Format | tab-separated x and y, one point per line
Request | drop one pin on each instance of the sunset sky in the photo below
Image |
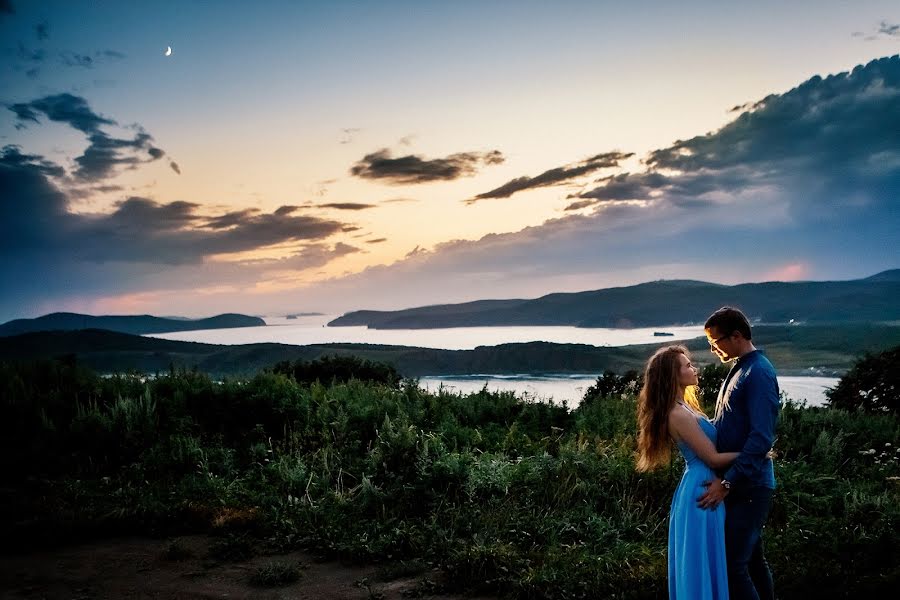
331	156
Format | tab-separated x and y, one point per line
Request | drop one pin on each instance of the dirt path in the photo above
139	568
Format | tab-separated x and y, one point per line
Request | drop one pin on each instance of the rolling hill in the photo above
661	303
135	324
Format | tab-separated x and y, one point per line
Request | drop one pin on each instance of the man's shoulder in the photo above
759	362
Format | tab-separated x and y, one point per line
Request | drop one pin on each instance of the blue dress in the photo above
697	568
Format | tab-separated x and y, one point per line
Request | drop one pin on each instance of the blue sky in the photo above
334	156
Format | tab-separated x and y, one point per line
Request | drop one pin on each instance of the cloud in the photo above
412	169
139	244
556	176
28	55
11	156
580	204
349	134
104	153
174	166
63	108
6	7
883	30
799	185
347	205
53	256
889	29
821	145
42	31
376	241
89	61
286	210
232	219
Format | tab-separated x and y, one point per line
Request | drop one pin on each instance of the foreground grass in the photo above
526	500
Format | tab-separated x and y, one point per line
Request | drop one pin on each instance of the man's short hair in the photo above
727	320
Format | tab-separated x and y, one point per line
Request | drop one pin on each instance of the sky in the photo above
288	157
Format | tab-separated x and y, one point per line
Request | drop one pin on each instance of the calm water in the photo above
572	387
311	330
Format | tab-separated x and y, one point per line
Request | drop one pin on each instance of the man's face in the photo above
721	344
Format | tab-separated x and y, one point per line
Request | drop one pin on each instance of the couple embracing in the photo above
721	504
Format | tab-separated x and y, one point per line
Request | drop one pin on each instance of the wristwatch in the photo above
726	484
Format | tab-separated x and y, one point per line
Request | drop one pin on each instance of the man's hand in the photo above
713	496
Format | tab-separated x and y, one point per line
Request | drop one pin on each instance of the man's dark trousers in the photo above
749	577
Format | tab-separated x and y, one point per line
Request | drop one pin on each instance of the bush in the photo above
871	385
275	574
339	369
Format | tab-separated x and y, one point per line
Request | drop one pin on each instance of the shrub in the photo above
339	369
275	574
871	385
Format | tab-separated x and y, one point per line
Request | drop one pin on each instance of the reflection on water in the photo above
313	330
571	388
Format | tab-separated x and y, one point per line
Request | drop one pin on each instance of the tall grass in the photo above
523	499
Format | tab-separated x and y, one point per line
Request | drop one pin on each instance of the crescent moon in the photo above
168	50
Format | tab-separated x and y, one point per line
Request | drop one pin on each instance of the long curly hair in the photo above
658	396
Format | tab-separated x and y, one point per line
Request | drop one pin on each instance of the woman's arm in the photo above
683	426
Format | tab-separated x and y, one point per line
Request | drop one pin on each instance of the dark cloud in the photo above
811	176
347	205
38	228
413	169
63	108
376	241
580	204
89	61
889	29
73	59
42	30
174	166
822	144
555	176
232	219
398	200
11	156
104	153
286	210
627	186
883	30
29	55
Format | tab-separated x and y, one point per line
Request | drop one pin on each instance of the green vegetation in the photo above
338	369
136	324
827	349
873	384
275	573
661	303
526	500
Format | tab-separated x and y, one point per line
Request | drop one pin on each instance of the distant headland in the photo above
133	324
659	304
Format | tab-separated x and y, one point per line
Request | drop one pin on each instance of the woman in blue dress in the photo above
668	412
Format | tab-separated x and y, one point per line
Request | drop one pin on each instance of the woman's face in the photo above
687	374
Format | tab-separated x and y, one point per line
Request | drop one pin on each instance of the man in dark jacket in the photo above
746	414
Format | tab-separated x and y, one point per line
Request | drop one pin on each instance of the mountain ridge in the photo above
133	324
659	303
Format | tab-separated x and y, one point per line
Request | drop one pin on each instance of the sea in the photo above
313	329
